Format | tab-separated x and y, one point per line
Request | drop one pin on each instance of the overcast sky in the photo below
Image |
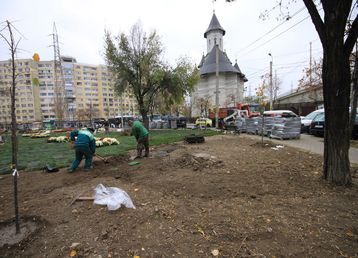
181	25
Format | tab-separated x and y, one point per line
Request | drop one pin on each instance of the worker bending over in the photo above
85	145
141	134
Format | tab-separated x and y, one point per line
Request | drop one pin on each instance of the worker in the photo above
142	136
85	145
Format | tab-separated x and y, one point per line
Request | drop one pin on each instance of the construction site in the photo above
230	196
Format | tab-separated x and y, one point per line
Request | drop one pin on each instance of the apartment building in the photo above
86	92
27	96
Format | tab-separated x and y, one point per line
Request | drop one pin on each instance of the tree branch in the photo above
352	38
316	19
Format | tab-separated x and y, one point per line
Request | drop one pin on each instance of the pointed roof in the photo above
214	25
201	61
208	65
241	74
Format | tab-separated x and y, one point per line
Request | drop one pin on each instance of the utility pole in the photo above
310	64
217	88
271	86
60	106
275	88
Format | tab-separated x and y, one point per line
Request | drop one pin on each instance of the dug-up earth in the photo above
227	197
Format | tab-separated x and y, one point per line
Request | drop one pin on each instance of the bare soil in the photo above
227	197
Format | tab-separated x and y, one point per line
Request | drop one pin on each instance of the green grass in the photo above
34	154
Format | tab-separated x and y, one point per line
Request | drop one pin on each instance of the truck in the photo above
252	110
236	121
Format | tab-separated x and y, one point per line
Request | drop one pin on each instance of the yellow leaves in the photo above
349	233
73	253
36	57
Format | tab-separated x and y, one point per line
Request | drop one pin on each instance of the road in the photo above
310	143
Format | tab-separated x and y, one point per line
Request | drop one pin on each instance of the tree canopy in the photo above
135	61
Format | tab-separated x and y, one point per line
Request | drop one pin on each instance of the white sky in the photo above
181	25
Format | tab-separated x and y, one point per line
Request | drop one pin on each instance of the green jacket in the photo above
138	130
85	139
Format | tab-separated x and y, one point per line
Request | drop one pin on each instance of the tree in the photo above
13	46
263	90
337	43
336	77
312	76
183	79
204	104
135	62
311	80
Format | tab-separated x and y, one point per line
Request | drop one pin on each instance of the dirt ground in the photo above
227	197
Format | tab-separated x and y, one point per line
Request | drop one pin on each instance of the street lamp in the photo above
271	87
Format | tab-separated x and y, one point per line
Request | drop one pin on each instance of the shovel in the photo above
102	158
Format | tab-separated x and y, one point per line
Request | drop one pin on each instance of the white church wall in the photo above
228	87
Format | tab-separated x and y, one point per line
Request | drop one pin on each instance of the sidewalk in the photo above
308	143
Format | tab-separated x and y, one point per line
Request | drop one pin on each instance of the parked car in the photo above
204	122
156	118
317	126
279	113
181	122
307	120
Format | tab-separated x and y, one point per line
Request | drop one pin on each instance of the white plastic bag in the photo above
113	197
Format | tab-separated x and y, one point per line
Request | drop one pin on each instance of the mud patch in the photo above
198	161
28	227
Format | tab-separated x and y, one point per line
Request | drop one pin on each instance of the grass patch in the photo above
34	154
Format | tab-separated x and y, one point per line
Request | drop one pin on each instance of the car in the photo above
279	113
156	118
307	120
181	122
202	121
317	126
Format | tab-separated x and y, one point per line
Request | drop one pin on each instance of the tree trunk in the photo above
14	126
336	91
144	112
354	92
336	85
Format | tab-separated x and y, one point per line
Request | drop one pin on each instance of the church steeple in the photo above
214	34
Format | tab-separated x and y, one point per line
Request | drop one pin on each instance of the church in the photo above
231	79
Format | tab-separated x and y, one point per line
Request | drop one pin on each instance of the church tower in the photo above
231	79
214	34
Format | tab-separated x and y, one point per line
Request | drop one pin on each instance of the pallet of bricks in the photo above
254	125
286	128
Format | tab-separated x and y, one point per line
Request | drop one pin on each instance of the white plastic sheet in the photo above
113	197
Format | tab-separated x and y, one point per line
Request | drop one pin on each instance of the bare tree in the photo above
13	47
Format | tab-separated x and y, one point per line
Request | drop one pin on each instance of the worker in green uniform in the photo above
85	145
142	136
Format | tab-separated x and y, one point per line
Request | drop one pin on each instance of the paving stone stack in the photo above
241	124
286	128
253	125
269	123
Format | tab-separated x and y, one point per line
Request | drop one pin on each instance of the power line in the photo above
276	35
288	54
277	26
